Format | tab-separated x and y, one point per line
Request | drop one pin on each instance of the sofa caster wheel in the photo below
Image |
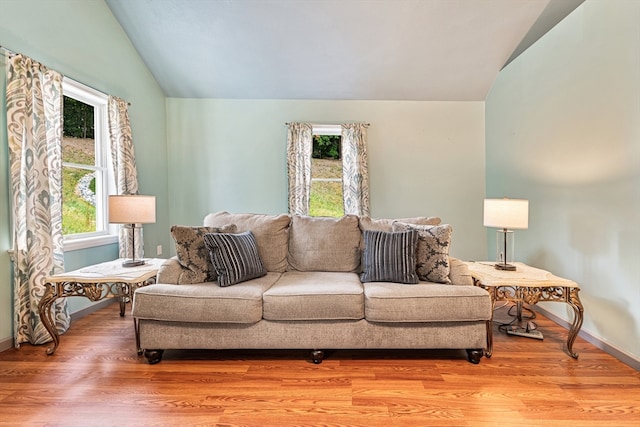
317	356
475	355
153	356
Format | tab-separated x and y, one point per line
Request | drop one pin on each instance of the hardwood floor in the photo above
96	379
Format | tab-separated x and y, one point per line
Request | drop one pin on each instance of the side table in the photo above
528	285
95	282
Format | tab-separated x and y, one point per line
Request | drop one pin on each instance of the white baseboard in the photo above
604	346
6	344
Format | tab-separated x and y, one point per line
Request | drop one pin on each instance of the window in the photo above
85	168
326	172
355	175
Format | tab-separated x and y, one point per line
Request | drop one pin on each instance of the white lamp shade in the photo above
132	209
506	213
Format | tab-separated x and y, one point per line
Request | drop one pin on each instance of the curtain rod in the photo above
12	53
9	51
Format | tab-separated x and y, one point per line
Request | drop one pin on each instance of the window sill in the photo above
89	242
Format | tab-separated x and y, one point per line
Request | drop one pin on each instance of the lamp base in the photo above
133	262
522	332
506	267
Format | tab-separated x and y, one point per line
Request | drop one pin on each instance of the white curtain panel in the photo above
355	172
34	130
124	169
299	146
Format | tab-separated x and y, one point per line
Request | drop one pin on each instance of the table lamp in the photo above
506	215
132	210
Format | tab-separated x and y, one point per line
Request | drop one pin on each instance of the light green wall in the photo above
82	40
425	158
563	130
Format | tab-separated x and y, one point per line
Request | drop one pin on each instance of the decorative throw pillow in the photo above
234	257
432	253
193	255
389	256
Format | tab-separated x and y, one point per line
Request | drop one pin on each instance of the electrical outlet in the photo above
159	250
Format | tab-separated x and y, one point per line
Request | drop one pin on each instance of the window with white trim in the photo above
86	168
326	172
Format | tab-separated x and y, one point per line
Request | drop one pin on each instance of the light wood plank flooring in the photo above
96	379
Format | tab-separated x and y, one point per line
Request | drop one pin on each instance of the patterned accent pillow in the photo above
389	256
193	255
432	252
234	257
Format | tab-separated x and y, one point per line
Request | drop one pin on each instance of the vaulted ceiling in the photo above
434	50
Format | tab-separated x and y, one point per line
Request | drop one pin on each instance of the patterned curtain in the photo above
123	159
34	130
299	146
355	172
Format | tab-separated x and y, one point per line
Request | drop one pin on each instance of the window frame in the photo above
105	233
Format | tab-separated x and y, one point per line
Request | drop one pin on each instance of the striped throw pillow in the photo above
234	257
389	256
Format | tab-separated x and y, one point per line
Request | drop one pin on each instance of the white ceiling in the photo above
434	50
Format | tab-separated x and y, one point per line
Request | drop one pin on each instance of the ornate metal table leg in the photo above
125	292
44	310
123	305
578	311
489	351
136	327
492	297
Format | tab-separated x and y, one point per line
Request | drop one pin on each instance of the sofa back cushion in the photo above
324	244
271	233
367	223
386	224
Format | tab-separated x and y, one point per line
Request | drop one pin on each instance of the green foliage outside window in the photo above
78	215
78	119
326	175
78	146
326	147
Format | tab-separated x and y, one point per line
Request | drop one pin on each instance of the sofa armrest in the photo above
459	273
169	271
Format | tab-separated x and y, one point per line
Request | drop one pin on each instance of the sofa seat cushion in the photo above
314	296
425	302
203	302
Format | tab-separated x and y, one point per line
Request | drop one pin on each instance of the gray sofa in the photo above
311	294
